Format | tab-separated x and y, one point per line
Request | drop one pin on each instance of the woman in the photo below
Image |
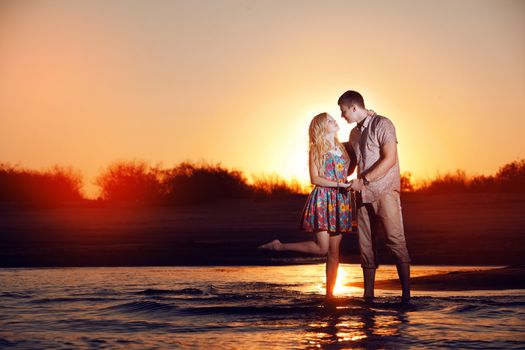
327	212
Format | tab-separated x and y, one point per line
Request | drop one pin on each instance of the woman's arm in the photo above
318	180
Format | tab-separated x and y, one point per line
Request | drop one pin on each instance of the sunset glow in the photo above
237	82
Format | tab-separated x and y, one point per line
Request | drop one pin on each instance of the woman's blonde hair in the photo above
318	145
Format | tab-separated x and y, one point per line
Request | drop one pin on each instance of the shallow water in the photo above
241	307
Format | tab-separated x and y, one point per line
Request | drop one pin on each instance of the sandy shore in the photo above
512	277
460	229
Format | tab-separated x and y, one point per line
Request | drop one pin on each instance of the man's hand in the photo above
357	185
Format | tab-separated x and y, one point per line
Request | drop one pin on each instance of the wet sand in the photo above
461	229
510	277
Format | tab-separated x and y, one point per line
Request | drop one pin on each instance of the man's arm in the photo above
380	168
353	157
385	162
386	136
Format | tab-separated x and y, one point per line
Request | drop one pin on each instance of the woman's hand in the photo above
345	185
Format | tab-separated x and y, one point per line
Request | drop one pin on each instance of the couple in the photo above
328	212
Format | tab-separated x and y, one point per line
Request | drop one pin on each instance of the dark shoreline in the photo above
486	229
509	277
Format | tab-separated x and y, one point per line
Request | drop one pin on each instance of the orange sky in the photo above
237	82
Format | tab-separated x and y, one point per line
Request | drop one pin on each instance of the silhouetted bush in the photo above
483	184
136	181
186	183
447	183
275	186
39	187
509	178
406	182
133	181
512	176
194	183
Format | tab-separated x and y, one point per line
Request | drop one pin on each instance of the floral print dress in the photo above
327	208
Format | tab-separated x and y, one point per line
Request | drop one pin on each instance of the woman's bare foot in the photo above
273	245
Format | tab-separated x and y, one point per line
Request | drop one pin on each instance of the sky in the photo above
88	83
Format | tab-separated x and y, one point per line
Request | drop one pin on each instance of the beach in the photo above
510	277
131	277
458	229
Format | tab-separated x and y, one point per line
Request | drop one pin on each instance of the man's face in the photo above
349	113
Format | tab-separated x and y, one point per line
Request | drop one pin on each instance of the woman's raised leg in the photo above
317	247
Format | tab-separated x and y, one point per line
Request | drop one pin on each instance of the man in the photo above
374	143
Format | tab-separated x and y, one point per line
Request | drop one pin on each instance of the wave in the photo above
6	343
185	291
243	304
142	307
109	325
16	295
69	300
252	310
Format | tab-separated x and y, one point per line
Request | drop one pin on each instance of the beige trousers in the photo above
385	211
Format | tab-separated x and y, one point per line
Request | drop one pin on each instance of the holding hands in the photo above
352	185
356	185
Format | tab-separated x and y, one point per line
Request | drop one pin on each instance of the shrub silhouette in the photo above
447	183
188	182
276	186
194	183
39	187
512	176
483	184
509	178
406	182
133	181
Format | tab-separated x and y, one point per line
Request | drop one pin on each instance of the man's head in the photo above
352	106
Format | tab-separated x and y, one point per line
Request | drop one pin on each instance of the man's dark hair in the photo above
351	98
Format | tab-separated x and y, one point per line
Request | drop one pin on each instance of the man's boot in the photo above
403	270
369	276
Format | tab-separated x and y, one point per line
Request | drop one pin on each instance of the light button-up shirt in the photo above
375	131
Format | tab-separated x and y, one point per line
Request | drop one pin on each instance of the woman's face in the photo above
331	125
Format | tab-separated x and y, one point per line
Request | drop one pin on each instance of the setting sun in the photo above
172	174
86	84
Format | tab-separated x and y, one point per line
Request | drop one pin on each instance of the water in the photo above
243	307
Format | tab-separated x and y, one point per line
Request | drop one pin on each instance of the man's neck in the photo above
362	116
366	113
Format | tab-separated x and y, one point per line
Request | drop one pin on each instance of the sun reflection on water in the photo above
344	277
314	280
334	331
354	327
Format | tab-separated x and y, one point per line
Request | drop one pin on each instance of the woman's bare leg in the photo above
319	247
332	265
324	245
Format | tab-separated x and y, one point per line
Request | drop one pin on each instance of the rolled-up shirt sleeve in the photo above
386	132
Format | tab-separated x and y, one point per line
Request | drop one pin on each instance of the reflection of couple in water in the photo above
327	213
